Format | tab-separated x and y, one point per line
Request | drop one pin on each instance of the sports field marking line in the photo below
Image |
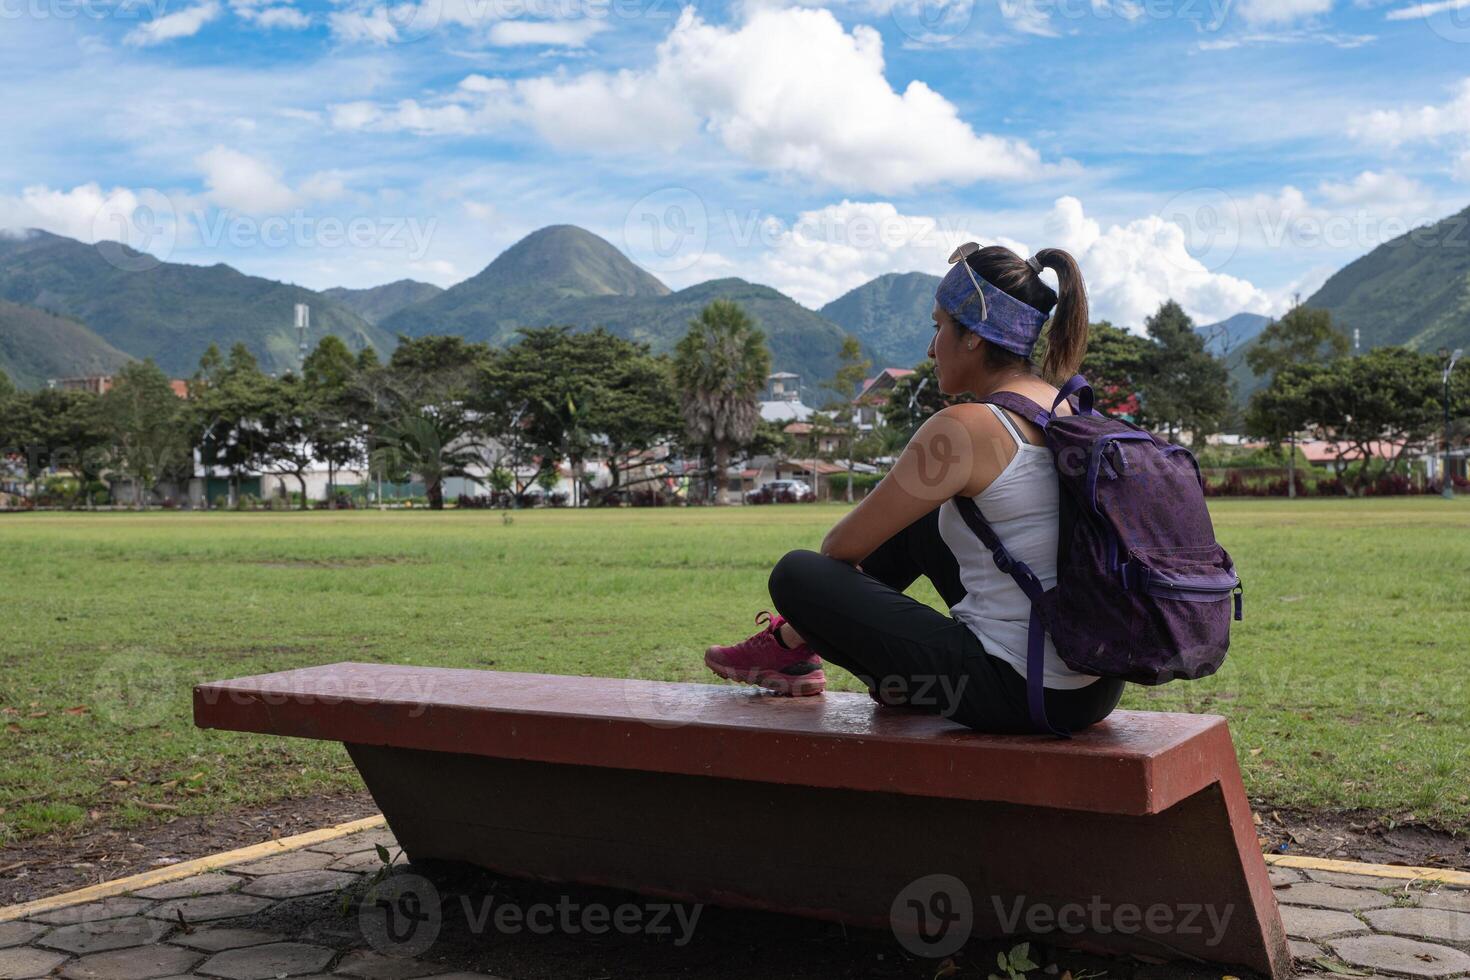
213	862
188	869
1445	876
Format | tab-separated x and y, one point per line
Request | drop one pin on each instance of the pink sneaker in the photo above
762	660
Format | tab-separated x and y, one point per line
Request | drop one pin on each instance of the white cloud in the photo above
329	185
792	91
1029	17
244	183
270	18
1346	42
1381	191
1392	127
1347	218
1132	269
1423	11
828	251
182	23
363	27
788	91
549	33
372	22
1258	12
90	214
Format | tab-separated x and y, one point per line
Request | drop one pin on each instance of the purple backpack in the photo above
1144	592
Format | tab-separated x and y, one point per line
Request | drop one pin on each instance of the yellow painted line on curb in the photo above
1444	876
187	869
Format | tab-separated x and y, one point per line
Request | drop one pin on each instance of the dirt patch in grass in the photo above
1369	837
330	562
56	863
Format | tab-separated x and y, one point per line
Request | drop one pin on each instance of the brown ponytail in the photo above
1066	338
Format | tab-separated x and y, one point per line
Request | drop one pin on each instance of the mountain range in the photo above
892	315
566	275
377	302
72	308
168	311
1413	291
36	345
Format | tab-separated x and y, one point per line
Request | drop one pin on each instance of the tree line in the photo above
441	407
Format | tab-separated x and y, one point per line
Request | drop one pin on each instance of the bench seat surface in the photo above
1133	763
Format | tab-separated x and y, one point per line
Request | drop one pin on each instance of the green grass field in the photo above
1346	686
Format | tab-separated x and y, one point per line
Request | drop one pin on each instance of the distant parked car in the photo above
780	492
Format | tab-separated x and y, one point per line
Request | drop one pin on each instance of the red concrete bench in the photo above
827	807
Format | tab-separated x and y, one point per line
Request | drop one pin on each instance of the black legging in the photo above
907	651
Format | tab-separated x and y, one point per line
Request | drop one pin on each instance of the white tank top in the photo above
1021	505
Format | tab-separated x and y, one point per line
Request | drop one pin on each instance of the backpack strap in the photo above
1036	633
1079	386
1020	404
1028	409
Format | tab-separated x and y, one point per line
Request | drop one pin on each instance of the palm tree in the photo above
720	367
428	447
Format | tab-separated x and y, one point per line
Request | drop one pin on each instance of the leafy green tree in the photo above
720	367
914	398
329	374
1304	336
561	394
145	421
54	429
1185	386
852	371
633	410
423	407
7	389
1376	406
227	397
1117	364
284	427
430	447
770	439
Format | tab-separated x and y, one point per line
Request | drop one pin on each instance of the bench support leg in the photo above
1187	883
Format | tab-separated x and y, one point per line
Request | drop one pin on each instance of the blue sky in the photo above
1226	154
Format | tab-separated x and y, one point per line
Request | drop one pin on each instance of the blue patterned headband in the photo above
985	310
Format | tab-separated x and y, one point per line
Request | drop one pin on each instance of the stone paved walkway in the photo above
1378	927
280	917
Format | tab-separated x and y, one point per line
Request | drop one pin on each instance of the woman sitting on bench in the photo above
847	604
